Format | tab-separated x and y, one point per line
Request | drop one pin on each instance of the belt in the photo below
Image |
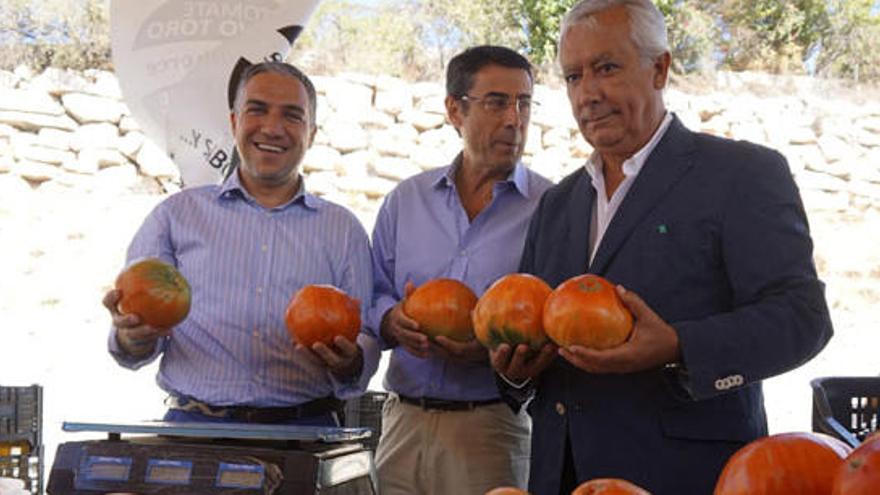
447	405
247	414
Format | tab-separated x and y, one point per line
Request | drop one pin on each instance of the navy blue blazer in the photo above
713	236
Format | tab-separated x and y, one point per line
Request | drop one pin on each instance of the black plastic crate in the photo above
21	415
21	435
366	412
846	407
26	467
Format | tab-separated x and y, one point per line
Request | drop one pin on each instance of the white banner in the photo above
176	62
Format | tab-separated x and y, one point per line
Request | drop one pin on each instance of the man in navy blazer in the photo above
708	241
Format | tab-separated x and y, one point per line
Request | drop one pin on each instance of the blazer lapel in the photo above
578	218
663	168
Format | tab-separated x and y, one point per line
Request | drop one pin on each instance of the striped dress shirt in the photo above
244	262
423	232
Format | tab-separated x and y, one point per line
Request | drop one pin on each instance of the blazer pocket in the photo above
723	418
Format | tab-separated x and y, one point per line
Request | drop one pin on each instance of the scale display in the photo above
103	468
239	475
168	472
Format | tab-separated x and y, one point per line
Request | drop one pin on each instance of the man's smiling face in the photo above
273	129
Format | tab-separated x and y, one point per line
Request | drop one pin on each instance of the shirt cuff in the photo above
347	389
127	361
382	305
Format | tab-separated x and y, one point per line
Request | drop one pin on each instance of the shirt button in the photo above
264	248
560	408
463	252
259	290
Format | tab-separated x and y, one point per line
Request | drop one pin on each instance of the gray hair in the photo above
283	69
647	25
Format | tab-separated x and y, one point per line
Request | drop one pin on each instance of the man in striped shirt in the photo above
445	429
246	246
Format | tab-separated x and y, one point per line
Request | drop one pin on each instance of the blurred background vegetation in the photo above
414	39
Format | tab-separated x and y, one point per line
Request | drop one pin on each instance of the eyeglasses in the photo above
498	104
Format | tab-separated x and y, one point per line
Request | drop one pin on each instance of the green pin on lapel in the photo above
662	228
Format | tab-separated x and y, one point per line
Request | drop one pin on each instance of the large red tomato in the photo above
802	463
442	307
585	310
860	472
608	486
511	311
507	490
318	313
155	291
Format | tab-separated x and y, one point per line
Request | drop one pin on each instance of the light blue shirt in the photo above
423	232
244	262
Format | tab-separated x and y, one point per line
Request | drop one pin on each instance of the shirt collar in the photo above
518	177
632	165
232	188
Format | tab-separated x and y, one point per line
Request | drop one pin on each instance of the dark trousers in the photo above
179	416
569	476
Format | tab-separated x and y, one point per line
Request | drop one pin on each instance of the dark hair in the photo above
462	68
284	69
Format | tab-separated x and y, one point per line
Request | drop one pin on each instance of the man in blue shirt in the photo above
246	246
445	429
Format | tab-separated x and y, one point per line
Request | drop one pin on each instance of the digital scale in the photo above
214	458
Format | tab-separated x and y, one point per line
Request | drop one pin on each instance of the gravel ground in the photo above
61	250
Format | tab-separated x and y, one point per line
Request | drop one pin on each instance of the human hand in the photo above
400	329
652	343
521	364
134	338
470	351
344	358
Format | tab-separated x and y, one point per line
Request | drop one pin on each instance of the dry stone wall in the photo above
63	130
67	129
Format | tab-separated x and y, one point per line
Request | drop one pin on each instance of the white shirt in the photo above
604	208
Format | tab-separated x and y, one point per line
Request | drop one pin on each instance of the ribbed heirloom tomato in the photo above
511	312
155	291
860	472
585	310
507	490
608	486
802	463
318	313
442	306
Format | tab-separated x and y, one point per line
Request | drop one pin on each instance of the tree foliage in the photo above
850	42
60	33
414	39
692	33
541	20
408	38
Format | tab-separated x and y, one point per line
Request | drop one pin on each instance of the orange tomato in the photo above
318	313
511	311
155	291
585	310
608	486
860	472
802	463
442	307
